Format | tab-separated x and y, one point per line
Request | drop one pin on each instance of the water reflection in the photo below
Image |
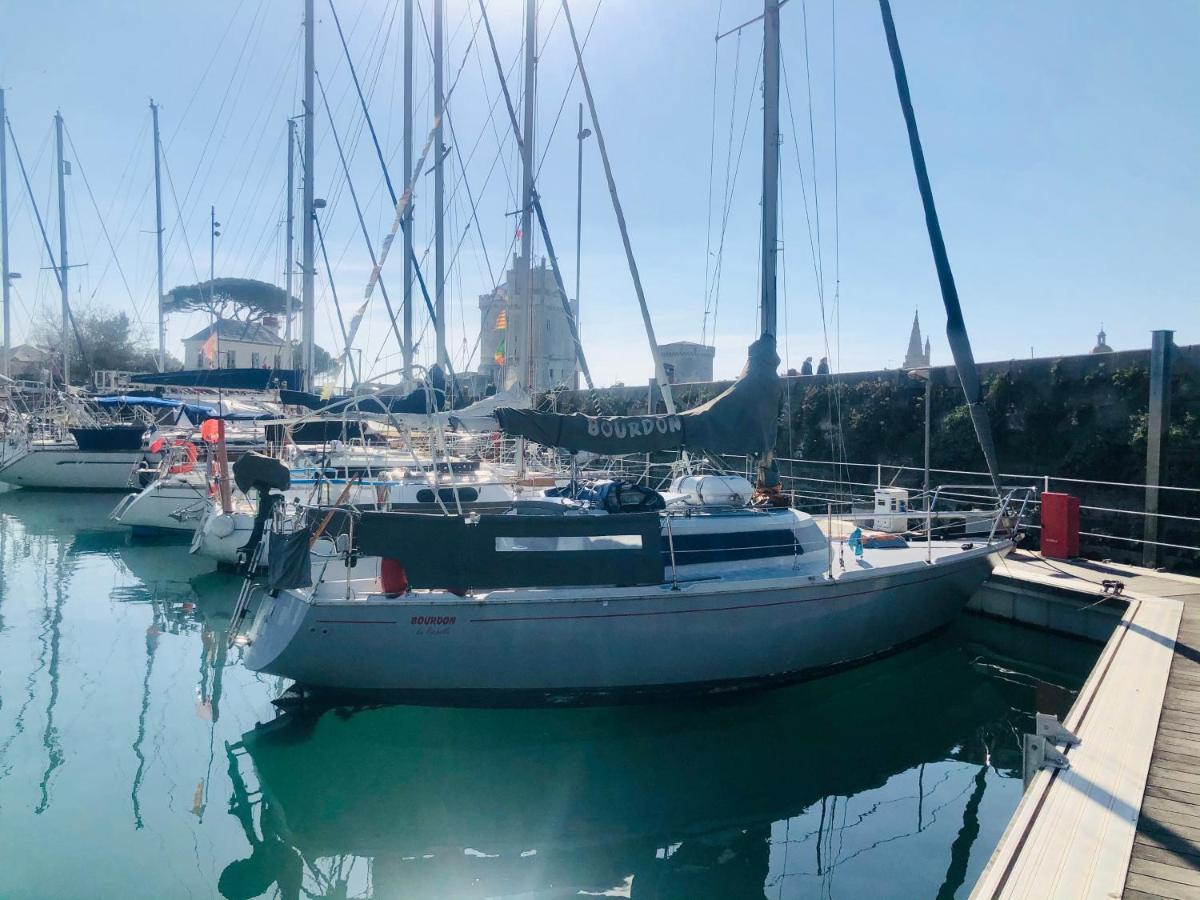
725	800
58	532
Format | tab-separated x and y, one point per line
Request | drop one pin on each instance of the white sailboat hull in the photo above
171	504
538	646
68	468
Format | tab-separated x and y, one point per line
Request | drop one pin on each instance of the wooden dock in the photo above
1166	850
1124	819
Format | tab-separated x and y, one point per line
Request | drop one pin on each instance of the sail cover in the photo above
741	419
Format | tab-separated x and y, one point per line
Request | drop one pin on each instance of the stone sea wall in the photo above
1071	417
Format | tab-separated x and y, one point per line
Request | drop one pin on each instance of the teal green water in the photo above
133	762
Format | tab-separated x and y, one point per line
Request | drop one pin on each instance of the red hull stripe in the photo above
357	622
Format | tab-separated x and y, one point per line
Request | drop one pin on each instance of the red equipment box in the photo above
1060	526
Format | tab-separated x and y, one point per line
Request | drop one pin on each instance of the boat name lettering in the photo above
432	620
622	428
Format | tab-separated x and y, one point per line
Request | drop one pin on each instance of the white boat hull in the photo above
705	636
171	504
68	468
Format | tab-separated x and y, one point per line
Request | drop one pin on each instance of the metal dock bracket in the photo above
1039	750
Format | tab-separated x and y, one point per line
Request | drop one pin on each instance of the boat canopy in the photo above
460	553
741	419
226	379
109	437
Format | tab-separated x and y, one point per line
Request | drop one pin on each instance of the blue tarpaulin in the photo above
196	410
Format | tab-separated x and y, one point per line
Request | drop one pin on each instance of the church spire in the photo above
916	357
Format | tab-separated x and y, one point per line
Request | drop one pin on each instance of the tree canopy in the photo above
107	342
241	299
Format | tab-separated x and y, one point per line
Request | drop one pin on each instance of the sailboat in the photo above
74	445
636	594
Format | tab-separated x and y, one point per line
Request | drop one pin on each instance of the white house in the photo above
238	345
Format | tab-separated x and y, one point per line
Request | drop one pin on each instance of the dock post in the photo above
1159	421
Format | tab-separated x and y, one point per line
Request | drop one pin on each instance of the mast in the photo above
956	329
5	277
290	263
308	292
62	249
770	173
525	267
158	236
580	134
213	234
767	483
407	344
439	189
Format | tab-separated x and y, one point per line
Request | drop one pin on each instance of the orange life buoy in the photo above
189	461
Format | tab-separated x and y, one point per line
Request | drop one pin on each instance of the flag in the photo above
208	349
501	321
402	206
355	321
499	354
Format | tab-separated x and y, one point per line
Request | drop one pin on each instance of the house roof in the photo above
233	330
27	353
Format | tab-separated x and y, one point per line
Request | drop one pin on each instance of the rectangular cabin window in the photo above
254	360
555	544
231	359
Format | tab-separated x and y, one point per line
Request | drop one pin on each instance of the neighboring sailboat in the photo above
71	444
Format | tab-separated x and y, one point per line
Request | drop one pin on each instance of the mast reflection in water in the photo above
132	761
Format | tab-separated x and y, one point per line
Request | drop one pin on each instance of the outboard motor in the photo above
255	471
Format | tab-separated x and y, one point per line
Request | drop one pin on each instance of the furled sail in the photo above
741	419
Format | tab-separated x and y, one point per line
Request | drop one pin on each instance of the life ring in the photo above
190	456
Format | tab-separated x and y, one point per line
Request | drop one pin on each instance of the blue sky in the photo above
1063	142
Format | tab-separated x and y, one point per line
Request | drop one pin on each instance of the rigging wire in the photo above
45	238
570	83
713	289
333	290
732	185
218	47
104	229
837	232
179	215
712	155
812	143
362	223
266	116
221	107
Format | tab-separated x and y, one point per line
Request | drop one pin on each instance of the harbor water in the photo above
138	758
